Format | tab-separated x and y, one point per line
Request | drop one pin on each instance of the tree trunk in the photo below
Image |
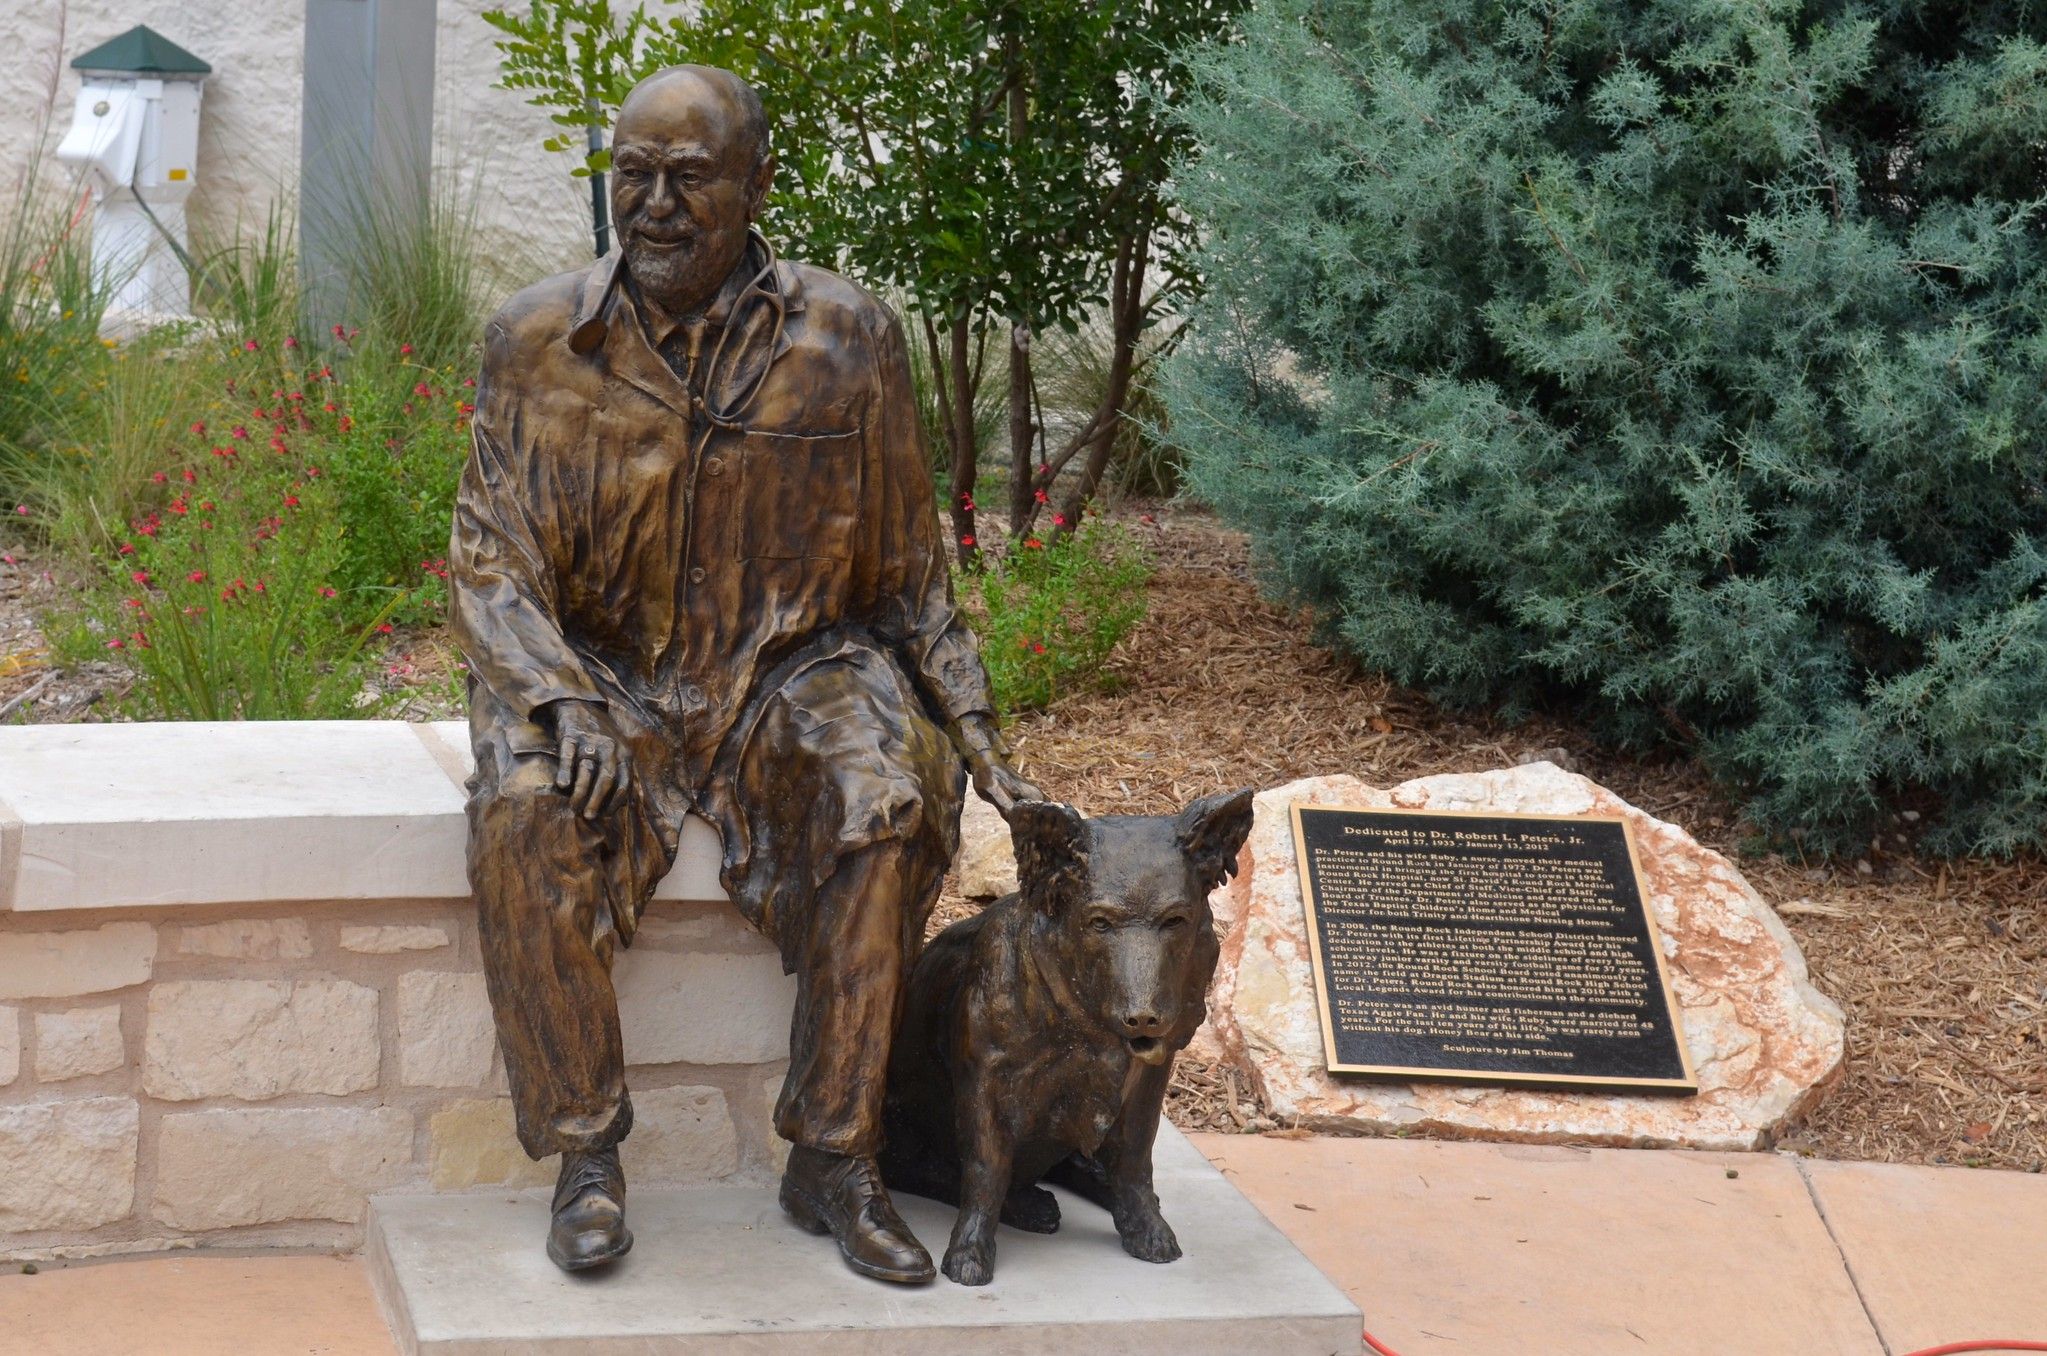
1022	430
959	429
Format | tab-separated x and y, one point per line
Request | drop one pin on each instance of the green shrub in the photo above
1678	364
1048	616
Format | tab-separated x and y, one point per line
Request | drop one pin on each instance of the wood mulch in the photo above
1941	966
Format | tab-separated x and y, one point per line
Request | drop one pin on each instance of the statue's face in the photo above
687	181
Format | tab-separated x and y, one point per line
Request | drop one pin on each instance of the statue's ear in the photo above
757	190
1051	852
1212	832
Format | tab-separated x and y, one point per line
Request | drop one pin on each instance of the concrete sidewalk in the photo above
1473	1249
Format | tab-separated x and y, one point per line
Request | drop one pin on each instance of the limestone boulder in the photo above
1764	1042
986	865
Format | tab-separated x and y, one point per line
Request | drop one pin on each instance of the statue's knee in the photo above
524	795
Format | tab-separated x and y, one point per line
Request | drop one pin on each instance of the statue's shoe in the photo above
589	1212
829	1193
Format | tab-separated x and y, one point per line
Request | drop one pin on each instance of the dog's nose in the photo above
1143	1023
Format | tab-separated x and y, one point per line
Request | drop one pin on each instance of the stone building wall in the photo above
532	217
248	1076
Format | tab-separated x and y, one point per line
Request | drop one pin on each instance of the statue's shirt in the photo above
619	538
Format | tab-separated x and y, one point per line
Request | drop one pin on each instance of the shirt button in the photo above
696	574
714	467
695	694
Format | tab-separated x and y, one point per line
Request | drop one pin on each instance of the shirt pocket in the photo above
799	495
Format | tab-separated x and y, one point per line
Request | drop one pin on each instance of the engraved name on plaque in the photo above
1486	948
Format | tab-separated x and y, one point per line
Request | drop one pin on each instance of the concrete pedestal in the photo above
721	1270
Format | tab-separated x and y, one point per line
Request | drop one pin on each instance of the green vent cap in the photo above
141	51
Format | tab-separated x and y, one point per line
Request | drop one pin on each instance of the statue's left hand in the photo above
1001	785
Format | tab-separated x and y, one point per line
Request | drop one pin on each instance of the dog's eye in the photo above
1098	924
1171	921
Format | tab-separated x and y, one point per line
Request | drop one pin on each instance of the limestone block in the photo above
445	1034
472	1143
65	964
778	1148
249	939
1764	1042
10	1045
256	1039
680	1135
986	865
148	813
250	1165
389	940
67	1165
702	1008
697	927
78	1043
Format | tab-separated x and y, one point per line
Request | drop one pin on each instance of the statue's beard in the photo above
679	277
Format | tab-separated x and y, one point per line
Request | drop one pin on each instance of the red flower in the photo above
191	476
326	592
196	577
239	432
1146	518
291	501
469	381
127	549
1058	520
346	423
385	629
330	407
199	428
249	345
22	509
465	407
159	477
1033	543
135	603
277	446
338	332
1044	468
1037	647
1042	497
179	506
290	342
422	389
140	576
117	645
967	540
405	348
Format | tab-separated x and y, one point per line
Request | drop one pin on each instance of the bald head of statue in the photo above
690	169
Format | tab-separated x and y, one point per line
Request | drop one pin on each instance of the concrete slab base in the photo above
721	1270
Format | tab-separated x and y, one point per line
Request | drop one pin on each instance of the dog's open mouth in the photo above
1150	1049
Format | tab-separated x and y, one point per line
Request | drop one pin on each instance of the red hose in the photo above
1951	1349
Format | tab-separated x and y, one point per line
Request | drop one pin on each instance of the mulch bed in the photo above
1941	966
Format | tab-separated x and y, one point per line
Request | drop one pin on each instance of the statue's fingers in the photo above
565	763
586	780
612	782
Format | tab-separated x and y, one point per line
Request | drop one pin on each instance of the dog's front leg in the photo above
1132	1202
985	1152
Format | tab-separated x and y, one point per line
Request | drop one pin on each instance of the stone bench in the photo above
240	992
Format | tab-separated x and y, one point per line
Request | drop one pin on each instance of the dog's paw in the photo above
1147	1237
970	1263
1031	1209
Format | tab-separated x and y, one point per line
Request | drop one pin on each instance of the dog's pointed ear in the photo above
1051	852
1212	831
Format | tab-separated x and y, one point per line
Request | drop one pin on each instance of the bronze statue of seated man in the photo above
697	569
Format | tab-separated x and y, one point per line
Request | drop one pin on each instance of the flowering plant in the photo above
1048	615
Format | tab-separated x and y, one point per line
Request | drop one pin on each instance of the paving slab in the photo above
1940	1255
194	1306
1463	1249
720	1271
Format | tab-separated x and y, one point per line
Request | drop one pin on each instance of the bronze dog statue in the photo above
1038	1036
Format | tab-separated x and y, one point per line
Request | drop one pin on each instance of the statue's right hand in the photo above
593	765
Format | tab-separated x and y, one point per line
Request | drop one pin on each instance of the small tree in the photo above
1678	363
1001	164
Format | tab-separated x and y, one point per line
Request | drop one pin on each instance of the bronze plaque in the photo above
1486	948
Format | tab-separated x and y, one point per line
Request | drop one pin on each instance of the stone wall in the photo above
240	992
248	1077
533	218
